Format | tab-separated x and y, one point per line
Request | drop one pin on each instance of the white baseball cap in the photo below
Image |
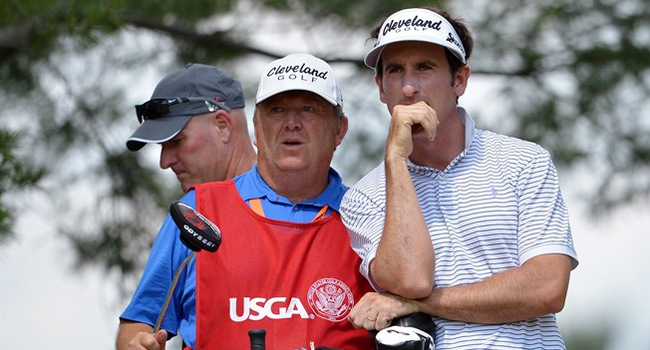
416	24
299	71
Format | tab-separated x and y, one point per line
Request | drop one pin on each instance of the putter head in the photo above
197	232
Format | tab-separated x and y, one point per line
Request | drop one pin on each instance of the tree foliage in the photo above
573	76
15	175
578	83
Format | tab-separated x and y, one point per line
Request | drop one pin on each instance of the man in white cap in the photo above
197	116
463	224
285	264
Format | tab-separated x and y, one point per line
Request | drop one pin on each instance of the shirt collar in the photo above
470	127
251	185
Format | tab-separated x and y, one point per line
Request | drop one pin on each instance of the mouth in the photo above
416	128
179	173
292	142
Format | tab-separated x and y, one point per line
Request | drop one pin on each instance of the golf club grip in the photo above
258	341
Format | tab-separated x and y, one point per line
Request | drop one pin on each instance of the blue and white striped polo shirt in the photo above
495	206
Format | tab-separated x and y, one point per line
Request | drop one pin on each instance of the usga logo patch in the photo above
330	299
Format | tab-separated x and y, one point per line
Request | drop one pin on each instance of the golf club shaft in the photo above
170	291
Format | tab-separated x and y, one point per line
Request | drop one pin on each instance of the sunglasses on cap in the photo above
159	107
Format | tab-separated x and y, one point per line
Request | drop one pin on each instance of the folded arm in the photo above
536	288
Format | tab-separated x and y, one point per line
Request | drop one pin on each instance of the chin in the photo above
293	165
187	185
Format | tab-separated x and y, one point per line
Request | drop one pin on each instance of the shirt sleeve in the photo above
543	216
167	254
364	218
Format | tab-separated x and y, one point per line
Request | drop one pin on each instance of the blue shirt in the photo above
251	185
168	252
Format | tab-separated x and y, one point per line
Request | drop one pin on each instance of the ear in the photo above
257	128
223	122
460	80
341	130
382	96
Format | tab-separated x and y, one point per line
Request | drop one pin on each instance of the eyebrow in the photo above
424	62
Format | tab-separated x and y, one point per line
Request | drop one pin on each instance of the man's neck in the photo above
242	160
296	186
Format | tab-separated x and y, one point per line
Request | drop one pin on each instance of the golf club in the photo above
197	233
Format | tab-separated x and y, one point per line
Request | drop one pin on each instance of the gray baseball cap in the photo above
197	89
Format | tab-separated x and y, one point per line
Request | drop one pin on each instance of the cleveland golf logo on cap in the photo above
416	25
302	72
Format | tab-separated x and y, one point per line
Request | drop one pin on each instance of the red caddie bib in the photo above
298	281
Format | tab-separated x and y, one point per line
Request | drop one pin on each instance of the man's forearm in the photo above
537	288
404	264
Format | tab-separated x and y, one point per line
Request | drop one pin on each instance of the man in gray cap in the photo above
197	115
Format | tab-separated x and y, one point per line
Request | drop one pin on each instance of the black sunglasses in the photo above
159	107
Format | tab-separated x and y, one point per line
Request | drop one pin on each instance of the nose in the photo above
410	85
167	157
292	120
